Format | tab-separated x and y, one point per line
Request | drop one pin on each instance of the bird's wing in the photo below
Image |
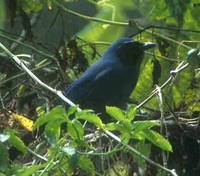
88	82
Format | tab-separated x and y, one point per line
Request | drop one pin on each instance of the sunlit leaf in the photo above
115	112
56	113
156	139
125	137
142	125
90	117
53	129
131	112
75	129
72	110
114	127
49	4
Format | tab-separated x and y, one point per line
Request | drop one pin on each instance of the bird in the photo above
111	80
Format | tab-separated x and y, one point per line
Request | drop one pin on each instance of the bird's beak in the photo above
148	45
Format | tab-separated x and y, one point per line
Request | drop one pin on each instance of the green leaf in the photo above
90	117
127	125
137	136
145	149
156	139
32	6
142	125
1	174
31	169
73	162
72	110
119	115
52	130
4	158
115	112
16	141
125	137
55	113
192	100
86	164
131	112
114	127
75	129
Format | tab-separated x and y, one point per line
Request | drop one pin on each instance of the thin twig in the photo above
160	99
174	73
36	79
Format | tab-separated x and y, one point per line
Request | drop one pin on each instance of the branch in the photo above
36	79
174	73
90	18
130	23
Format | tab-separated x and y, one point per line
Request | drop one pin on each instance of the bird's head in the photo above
130	51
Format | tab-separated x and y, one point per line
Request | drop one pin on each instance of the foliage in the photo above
72	150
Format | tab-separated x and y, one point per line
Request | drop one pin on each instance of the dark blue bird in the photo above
110	81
